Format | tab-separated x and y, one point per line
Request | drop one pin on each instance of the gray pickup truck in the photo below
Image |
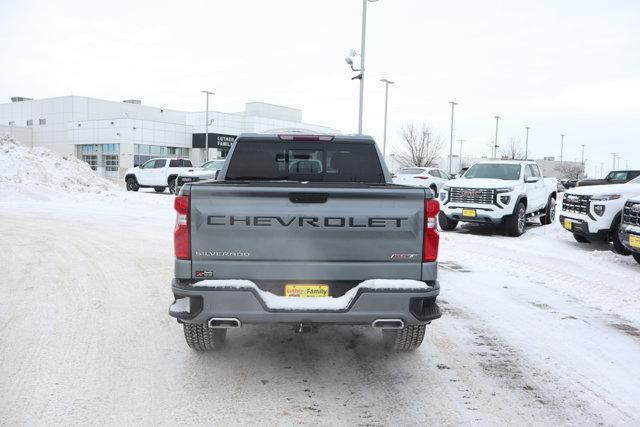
305	230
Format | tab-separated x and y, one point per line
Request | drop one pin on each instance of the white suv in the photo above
432	178
158	173
594	213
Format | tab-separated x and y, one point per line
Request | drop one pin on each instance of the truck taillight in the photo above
181	234
431	239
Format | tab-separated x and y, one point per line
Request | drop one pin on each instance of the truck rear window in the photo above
305	161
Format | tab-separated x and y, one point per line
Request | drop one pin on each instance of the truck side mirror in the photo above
531	180
216	175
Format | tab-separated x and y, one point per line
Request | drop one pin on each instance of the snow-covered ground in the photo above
536	330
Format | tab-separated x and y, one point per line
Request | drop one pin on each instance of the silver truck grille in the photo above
576	204
472	195
631	213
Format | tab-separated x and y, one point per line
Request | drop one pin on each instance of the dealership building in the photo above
113	136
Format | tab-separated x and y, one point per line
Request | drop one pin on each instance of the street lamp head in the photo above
387	81
208	92
348	60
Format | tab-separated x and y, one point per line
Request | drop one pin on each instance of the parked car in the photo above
158	174
594	213
569	183
329	241
207	171
427	177
613	177
630	228
499	192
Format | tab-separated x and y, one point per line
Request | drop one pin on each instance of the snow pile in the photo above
41	168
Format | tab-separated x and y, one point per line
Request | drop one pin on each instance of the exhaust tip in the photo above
388	323
224	323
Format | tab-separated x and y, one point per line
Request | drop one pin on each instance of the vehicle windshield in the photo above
305	161
410	171
213	165
507	172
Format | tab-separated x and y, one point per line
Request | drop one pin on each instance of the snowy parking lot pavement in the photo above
536	330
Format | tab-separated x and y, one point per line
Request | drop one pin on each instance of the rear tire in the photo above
202	338
406	339
549	212
172	186
581	239
515	224
446	224
159	189
434	189
132	184
637	258
615	239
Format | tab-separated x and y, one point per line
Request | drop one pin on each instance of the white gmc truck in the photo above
594	213
499	192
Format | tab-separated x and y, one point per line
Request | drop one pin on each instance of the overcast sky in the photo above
559	66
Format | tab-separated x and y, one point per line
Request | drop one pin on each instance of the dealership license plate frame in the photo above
469	213
306	290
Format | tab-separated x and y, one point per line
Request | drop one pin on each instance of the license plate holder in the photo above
302	290
634	241
568	224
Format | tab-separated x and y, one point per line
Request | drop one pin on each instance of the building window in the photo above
110	162
42	122
12	123
92	159
29	122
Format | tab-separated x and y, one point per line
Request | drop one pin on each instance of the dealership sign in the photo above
216	140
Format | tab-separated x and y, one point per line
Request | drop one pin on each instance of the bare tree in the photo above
513	150
420	146
571	170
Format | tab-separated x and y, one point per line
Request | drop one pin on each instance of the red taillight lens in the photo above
181	234
421	177
431	239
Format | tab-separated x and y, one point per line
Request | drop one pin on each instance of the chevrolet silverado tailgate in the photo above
297	231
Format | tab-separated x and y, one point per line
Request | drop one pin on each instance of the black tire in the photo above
446	224
549	212
581	239
406	339
434	189
172	186
615	239
637	258
132	184
159	189
202	338
515	224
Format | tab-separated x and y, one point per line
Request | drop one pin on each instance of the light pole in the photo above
526	144
614	160
460	141
362	47
453	104
561	147
386	82
495	142
582	154
206	127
